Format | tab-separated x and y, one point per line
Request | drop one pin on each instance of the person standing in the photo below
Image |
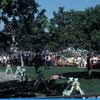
8	69
38	61
40	82
89	64
48	61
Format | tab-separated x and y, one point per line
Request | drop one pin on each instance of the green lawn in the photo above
90	86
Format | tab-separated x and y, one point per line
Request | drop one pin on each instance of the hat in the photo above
75	79
70	79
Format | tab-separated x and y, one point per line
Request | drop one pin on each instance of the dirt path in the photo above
7	77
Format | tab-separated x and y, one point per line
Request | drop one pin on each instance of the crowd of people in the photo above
14	59
37	59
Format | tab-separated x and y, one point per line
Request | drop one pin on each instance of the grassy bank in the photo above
90	86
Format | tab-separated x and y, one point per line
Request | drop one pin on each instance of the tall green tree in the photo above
27	25
80	29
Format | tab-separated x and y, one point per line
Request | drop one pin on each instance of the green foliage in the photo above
4	42
79	29
28	24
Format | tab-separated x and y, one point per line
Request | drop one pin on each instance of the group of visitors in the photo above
14	59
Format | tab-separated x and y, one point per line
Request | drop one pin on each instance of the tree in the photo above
28	23
4	42
80	29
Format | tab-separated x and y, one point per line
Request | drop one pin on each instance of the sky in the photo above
52	5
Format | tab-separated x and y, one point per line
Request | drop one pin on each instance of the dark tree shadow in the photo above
82	75
26	89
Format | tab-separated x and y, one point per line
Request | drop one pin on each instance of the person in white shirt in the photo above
73	84
8	69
